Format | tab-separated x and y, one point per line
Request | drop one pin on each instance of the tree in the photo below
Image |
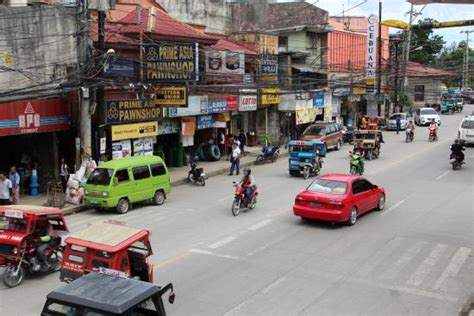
452	59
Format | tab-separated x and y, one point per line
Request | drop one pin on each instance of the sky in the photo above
398	9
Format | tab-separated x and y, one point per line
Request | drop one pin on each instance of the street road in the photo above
413	258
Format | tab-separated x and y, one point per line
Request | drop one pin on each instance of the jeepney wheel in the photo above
123	206
159	198
12	280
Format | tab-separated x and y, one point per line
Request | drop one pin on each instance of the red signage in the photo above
36	116
232	103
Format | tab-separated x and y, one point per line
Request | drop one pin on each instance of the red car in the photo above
338	198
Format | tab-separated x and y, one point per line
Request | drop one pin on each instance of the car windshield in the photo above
100	176
301	149
12	224
395	116
328	187
468	124
314	130
428	112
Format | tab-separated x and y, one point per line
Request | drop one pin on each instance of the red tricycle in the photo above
23	229
240	200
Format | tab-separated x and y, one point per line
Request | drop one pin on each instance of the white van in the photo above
466	130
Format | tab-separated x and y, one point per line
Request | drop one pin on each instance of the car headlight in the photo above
105	194
15	250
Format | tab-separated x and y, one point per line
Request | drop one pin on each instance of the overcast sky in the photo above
397	9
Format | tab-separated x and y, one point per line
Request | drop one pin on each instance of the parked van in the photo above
119	183
330	133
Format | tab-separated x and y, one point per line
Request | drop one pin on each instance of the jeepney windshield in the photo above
301	148
11	224
100	176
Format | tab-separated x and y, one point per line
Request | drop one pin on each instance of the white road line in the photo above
260	225
442	175
393	270
273	285
209	253
377	258
428	264
454	266
222	242
393	207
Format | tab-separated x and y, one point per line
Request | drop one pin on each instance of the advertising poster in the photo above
121	149
225	62
248	100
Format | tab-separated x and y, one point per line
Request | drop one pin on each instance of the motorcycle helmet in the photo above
247	172
456	141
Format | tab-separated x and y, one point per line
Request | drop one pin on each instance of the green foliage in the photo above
405	102
452	59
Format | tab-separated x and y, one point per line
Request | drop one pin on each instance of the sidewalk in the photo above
178	176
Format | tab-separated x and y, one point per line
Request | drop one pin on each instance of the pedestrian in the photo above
14	178
364	122
5	189
228	145
235	160
64	173
243	141
221	139
399	124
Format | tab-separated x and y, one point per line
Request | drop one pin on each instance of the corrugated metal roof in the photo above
416	70
224	44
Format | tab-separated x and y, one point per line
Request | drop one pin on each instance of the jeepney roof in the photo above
104	292
107	236
31	210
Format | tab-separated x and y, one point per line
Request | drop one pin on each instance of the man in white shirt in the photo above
235	160
5	189
14	178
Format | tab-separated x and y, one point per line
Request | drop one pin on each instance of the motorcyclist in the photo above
248	184
434	125
457	151
317	161
42	231
411	127
359	154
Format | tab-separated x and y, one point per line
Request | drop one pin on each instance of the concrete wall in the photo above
41	46
432	90
215	14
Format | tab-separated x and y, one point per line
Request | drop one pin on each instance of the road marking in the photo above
172	260
273	285
260	225
428	264
210	253
374	260
405	258
454	266
442	175
222	242
393	207
278	213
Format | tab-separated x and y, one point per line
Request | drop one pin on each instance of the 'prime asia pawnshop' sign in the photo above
35	116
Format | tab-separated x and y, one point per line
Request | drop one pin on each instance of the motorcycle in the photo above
312	169
347	134
269	153
410	134
196	175
241	201
356	168
456	162
433	135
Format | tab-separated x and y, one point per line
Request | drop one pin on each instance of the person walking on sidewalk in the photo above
243	141
221	139
5	189
64	173
14	178
235	160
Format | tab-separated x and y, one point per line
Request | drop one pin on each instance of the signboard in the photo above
31	117
14	213
307	115
188	125
371	46
131	131
370	85
143	147
129	111
271	96
232	103
225	62
197	104
114	273
318	101
171	62
268	67
119	67
168	127
247	100
121	149
205	121
359	90
216	106
103	145
171	96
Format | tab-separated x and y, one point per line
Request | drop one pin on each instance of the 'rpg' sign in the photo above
29	119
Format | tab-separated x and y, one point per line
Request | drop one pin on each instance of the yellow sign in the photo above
131	131
271	96
307	115
359	90
171	96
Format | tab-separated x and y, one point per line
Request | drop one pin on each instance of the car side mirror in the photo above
115	181
374	187
171	298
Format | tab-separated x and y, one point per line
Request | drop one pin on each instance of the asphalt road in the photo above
414	258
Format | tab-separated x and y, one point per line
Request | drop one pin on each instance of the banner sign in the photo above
225	62
197	104
318	101
119	67
248	101
129	111
205	121
188	125
232	103
271	96
35	116
169	126
171	62
131	131
217	106
171	96
372	46
306	115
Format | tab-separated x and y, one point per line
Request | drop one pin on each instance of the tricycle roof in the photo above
106	293
306	142
21	211
107	236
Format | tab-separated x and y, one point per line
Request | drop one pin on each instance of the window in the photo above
419	93
157	170
99	264
61	309
283	43
100	176
332	128
77	259
428	112
140	173
468	124
124	263
328	187
122	176
360	186
314	130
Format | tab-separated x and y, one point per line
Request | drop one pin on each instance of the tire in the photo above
352	217
214	153
338	145
55	260
275	157
294	173
123	206
190	177
236	207
159	198
305	173
353	171
260	160
381	204
10	280
202	181
370	155
407	138
253	203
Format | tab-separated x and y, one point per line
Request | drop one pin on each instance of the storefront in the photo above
34	134
267	127
245	120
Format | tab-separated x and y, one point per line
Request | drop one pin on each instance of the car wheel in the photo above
123	206
352	217
338	145
381	204
159	198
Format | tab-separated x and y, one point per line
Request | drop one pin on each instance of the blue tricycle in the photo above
305	157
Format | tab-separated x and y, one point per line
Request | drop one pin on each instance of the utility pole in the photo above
379	62
395	90
465	74
407	51
100	89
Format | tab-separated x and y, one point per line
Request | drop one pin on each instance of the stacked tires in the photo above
209	152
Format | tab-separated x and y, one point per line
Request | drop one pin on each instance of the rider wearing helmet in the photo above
457	150
248	184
